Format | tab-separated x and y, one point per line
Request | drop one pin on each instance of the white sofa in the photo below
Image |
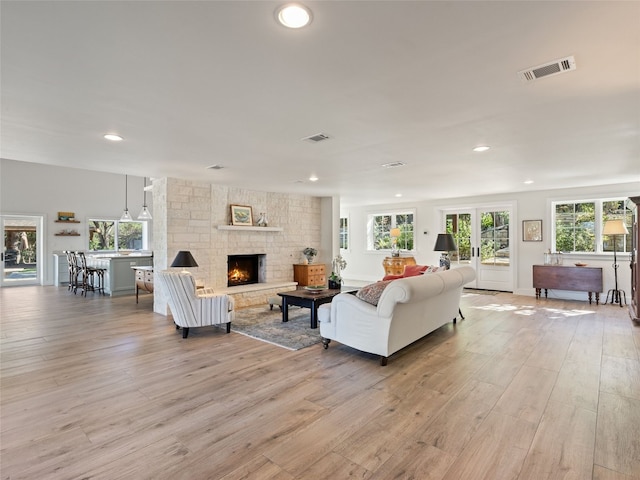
407	310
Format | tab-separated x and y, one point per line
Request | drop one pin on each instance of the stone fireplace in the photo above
246	269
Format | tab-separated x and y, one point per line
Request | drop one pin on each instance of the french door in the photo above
484	240
22	252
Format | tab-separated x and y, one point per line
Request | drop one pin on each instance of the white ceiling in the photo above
193	84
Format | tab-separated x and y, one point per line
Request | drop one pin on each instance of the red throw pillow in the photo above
391	277
414	270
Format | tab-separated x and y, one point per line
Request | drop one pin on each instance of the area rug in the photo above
266	325
479	292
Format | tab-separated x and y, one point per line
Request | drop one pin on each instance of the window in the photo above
616	210
578	225
379	230
114	235
344	233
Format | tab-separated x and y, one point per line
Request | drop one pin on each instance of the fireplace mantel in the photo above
250	229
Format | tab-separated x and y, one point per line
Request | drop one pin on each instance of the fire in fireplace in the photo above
245	269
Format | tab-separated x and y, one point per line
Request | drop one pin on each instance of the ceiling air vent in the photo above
556	67
318	137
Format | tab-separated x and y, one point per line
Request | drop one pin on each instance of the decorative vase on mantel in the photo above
262	221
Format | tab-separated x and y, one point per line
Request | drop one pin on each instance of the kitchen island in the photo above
119	278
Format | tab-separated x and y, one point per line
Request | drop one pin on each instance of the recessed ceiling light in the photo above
528	182
313	178
398	195
481	148
392	164
215	167
293	15
113	137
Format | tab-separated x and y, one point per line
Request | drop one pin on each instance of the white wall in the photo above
37	189
367	266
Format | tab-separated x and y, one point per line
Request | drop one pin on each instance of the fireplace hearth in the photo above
245	269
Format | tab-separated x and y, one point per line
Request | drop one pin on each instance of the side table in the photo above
395	265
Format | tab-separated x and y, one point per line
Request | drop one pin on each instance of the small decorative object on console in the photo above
310	253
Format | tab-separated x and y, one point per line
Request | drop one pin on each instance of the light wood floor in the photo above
102	388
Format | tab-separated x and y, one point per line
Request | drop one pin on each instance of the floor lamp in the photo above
613	228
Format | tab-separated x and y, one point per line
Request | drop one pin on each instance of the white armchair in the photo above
193	307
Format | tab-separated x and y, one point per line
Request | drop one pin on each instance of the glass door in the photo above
483	237
21	253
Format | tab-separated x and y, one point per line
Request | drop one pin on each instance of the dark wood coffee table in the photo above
309	299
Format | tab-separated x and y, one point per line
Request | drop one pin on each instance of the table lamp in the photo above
185	260
445	243
395	233
614	228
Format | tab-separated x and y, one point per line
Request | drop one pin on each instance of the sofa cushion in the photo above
371	293
414	270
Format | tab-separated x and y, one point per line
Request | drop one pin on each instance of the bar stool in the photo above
74	270
89	275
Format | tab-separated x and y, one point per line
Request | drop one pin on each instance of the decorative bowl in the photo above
580	264
315	288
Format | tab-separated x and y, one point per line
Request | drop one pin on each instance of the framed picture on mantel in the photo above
241	215
532	230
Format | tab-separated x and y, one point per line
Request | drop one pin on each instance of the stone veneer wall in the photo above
187	215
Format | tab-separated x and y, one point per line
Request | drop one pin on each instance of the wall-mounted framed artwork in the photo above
532	230
241	215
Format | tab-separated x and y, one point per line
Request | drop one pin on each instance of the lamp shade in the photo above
614	227
395	232
184	259
445	243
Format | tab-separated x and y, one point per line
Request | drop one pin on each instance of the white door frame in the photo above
38	279
488	277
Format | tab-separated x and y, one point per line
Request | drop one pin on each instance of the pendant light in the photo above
145	214
126	216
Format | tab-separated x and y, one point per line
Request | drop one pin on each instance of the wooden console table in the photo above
575	279
395	265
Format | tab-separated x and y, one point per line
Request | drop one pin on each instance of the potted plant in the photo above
337	265
310	254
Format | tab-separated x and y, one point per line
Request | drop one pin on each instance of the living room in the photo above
375	109
305	221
